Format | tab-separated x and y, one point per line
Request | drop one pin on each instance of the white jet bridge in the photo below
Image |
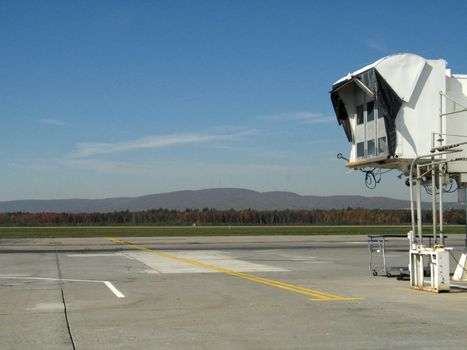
408	113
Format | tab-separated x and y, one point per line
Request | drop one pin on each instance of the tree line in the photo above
349	216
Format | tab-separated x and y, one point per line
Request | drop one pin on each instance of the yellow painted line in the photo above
317	295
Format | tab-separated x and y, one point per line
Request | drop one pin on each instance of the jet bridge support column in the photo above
421	256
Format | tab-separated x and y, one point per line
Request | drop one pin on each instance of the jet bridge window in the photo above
370	110
360	149
370	133
360	119
371	148
382	145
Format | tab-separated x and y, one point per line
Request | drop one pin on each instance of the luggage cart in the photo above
377	246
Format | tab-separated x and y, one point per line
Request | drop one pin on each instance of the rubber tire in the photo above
375	273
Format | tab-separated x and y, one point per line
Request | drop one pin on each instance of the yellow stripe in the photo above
317	295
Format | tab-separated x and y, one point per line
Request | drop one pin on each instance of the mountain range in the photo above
218	198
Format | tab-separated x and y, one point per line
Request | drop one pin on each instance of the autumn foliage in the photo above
349	216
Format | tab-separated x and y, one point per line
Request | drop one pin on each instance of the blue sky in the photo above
125	98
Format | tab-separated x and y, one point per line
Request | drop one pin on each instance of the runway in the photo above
268	292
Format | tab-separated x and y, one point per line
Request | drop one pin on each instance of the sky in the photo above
126	98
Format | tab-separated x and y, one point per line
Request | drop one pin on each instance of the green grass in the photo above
167	231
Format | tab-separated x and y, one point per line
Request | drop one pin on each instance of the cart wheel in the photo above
375	273
388	275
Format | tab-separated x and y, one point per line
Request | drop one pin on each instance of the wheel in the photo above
388	274
375	273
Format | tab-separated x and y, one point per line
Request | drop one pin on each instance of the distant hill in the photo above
218	198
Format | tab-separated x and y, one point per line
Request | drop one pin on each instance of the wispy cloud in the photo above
378	46
109	167
172	169
299	117
55	122
90	149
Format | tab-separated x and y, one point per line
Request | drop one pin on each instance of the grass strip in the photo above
190	231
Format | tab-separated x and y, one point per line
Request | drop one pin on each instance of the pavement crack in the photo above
65	311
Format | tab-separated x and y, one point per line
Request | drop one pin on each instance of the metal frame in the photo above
436	169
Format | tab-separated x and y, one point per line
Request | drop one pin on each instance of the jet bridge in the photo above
408	113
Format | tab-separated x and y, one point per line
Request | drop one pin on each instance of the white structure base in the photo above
438	259
460	274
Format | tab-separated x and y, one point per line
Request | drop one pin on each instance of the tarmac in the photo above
263	292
